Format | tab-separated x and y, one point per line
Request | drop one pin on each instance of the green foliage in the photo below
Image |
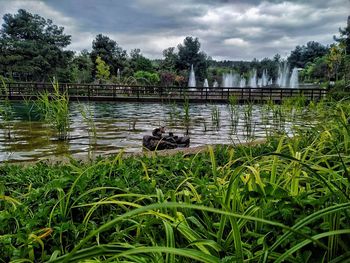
147	78
285	200
110	52
138	62
31	47
189	54
82	67
304	54
6	111
54	109
170	59
102	69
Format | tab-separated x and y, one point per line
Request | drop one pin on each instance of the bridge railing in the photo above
114	91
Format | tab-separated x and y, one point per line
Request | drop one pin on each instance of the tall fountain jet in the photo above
206	84
252	80
242	82
264	78
230	80
118	74
294	79
192	79
283	74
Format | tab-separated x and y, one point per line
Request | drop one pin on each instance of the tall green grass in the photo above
6	110
54	109
287	200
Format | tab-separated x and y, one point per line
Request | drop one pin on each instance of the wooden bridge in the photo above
114	92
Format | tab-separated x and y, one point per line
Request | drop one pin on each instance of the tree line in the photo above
33	48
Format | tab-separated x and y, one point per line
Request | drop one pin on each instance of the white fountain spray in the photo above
294	79
242	82
206	84
252	79
264	78
192	79
283	75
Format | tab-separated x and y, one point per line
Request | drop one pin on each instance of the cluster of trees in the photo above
32	48
323	64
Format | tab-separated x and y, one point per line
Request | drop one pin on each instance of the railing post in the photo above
9	90
250	94
281	95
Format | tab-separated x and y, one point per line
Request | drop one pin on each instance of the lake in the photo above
115	126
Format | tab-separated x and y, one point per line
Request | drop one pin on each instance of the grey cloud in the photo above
229	29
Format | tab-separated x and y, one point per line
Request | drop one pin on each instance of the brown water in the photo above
122	126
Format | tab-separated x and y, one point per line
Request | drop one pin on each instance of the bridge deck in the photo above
110	92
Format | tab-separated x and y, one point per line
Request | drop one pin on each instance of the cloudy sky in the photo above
227	29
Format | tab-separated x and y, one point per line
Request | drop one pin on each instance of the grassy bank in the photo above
286	200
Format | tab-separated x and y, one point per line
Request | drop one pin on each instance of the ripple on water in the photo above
122	126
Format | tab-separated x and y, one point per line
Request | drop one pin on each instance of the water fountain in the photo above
252	79
118	74
242	82
206	84
215	84
230	80
283	74
294	79
264	78
284	79
192	79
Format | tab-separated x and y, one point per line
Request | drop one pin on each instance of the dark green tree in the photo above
170	59
304	54
82	67
32	48
190	54
345	37
138	62
110	52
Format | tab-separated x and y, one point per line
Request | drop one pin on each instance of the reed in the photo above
234	113
6	110
215	116
88	117
186	114
54	109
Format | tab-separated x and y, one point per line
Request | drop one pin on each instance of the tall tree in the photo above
82	67
110	52
345	37
303	54
170	59
31	47
138	62
190	54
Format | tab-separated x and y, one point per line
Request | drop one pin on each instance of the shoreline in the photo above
54	160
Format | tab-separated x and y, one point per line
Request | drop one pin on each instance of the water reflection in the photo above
115	126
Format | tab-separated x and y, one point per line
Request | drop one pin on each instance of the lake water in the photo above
122	125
